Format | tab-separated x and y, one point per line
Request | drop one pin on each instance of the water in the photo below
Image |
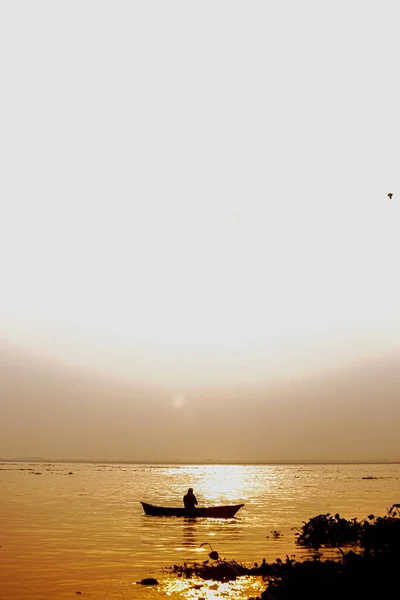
81	527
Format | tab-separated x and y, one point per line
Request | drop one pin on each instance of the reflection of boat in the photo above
213	512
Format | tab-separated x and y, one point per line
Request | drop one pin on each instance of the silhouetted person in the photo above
189	500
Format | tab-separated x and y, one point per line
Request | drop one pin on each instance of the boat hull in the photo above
210	512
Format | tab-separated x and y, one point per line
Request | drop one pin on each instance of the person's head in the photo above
190	491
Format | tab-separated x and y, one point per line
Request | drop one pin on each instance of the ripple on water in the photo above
88	532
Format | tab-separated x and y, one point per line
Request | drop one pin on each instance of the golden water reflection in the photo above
86	532
190	535
241	589
222	484
198	535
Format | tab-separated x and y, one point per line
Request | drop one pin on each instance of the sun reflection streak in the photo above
195	588
225	481
222	483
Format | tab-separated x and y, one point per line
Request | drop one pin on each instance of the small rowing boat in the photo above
211	512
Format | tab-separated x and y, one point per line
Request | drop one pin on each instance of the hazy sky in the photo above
194	194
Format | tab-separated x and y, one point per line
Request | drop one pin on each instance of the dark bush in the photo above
369	570
328	531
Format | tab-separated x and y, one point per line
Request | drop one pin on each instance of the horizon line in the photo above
201	462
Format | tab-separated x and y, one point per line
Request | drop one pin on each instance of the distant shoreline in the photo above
96	461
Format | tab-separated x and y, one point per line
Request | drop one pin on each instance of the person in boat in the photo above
190	500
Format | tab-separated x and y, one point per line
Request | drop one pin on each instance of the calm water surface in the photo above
80	527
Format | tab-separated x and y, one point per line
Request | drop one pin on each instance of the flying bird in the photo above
390	195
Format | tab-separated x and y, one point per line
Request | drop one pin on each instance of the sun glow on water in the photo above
225	482
240	589
222	484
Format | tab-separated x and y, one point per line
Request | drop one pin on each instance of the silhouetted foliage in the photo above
328	531
352	577
370	573
370	534
367	571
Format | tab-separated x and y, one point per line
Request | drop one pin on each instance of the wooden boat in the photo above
211	512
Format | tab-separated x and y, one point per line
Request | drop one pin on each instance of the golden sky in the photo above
195	194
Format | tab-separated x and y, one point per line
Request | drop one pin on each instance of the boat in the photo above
210	512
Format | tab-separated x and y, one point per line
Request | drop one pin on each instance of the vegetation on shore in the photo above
369	553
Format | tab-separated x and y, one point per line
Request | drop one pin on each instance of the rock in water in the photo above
149	581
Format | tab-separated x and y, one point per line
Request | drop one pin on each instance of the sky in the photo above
194	206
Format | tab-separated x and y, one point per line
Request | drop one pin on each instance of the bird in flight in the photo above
390	195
